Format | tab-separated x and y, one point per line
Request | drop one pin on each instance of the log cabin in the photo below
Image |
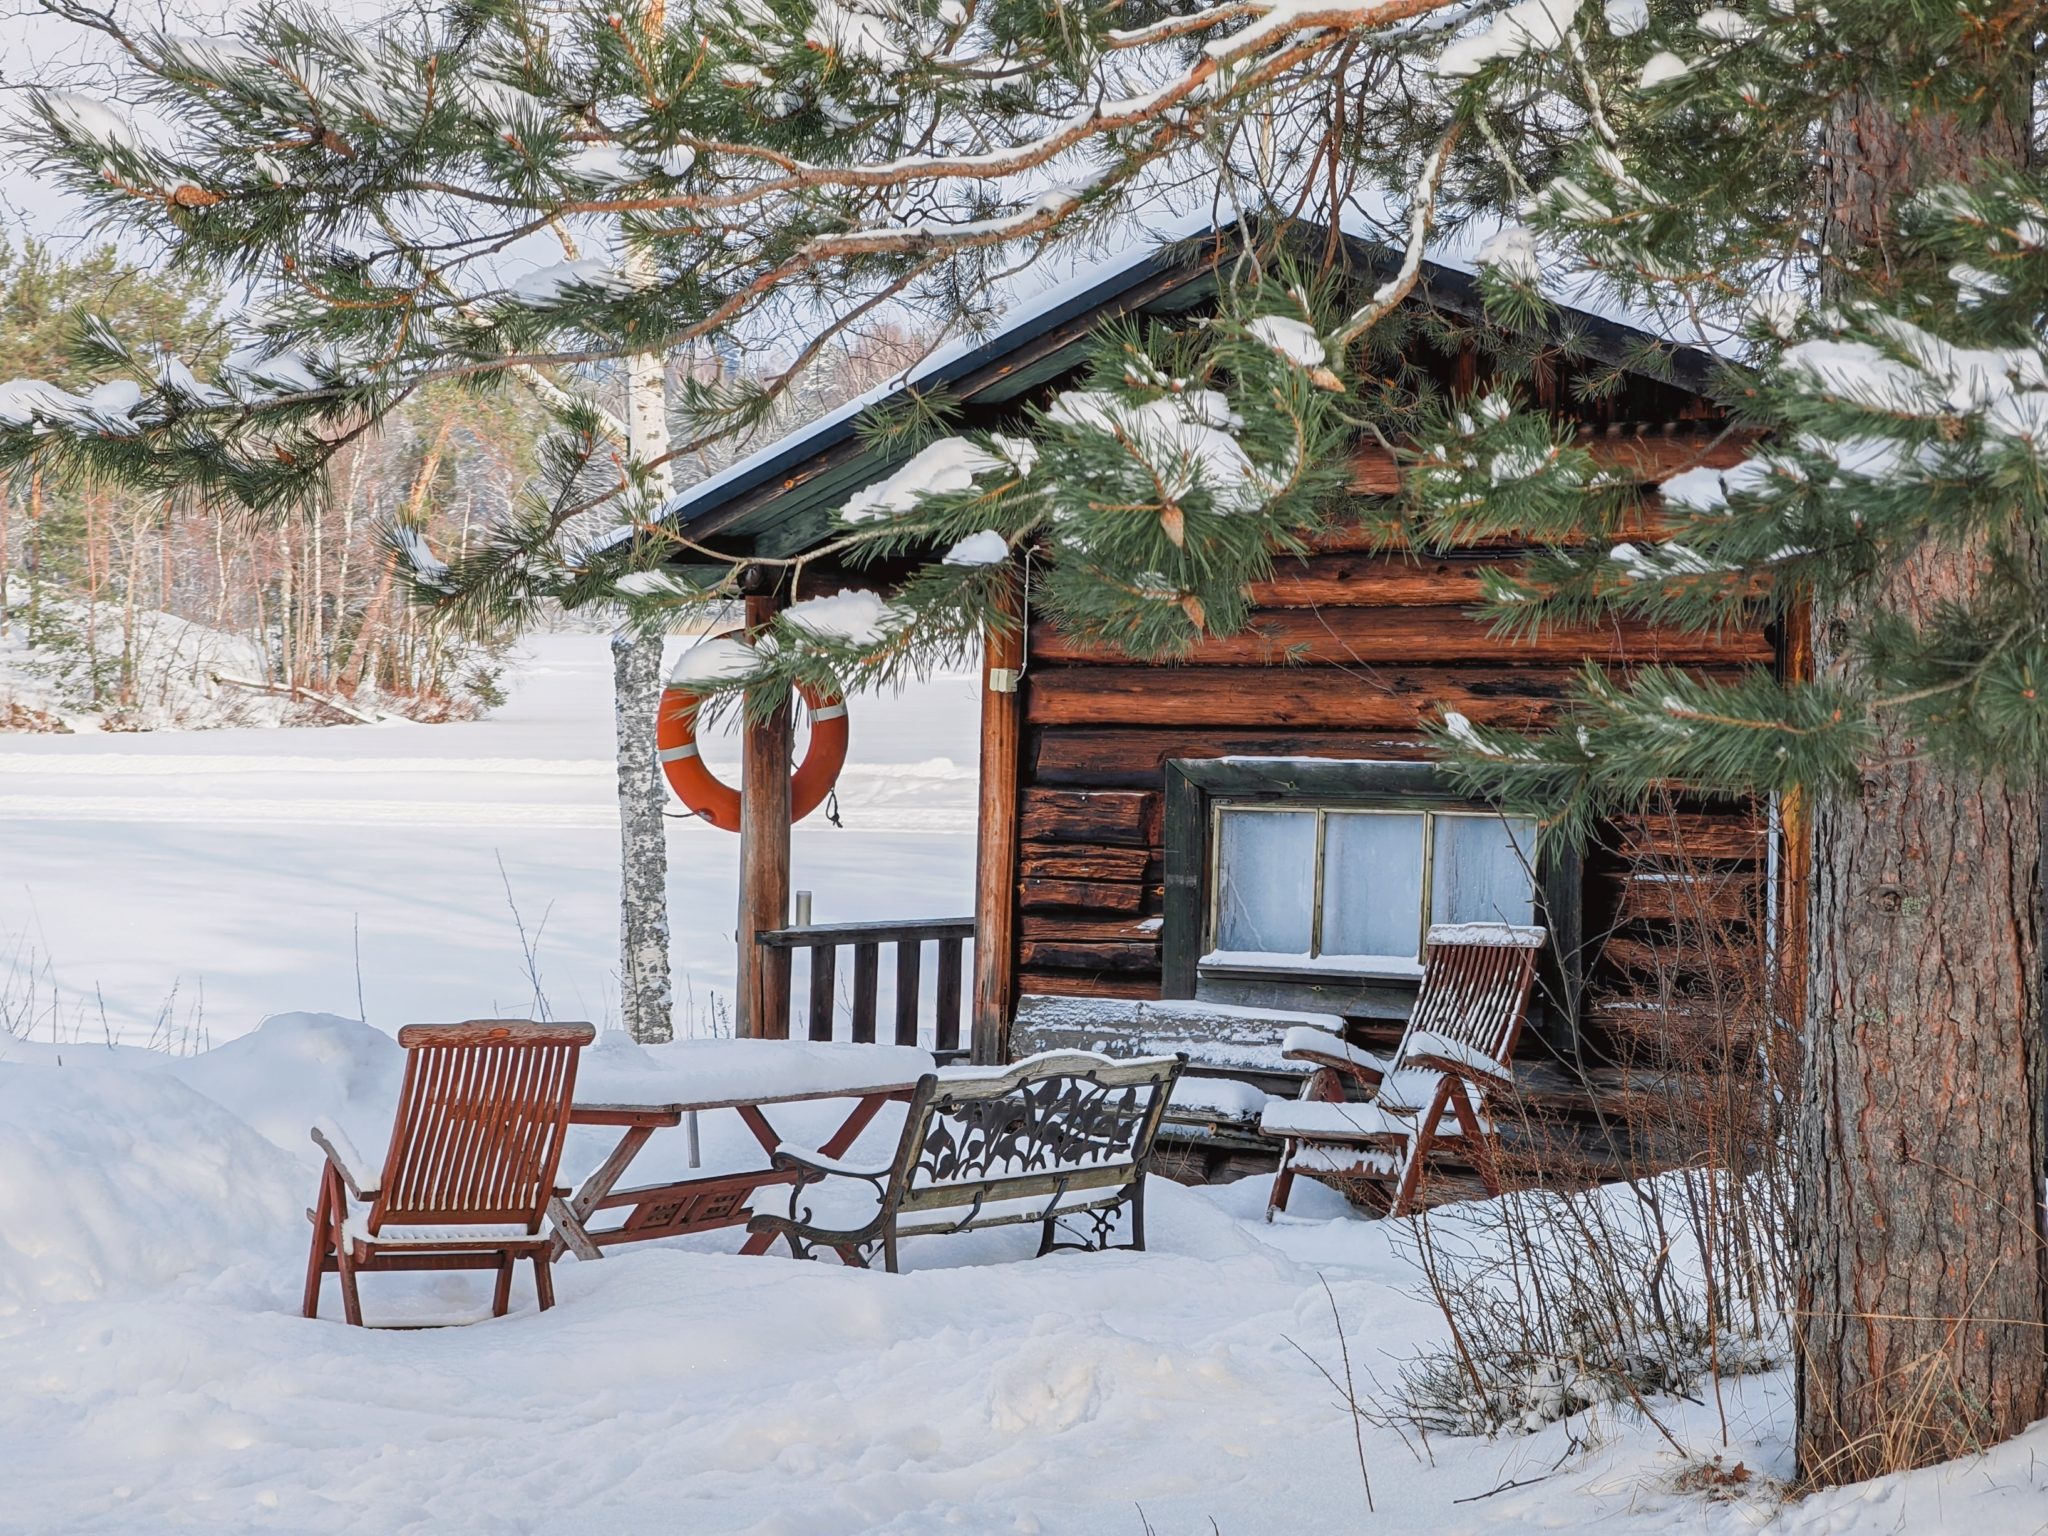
1196	855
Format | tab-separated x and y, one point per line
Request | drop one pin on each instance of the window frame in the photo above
1197	788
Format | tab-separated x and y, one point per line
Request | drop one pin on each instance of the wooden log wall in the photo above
1350	649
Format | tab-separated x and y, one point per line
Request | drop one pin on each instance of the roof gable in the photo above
781	500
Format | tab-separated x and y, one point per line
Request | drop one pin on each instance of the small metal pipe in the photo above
803	910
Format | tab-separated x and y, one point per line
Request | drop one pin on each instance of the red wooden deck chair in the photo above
470	1171
1375	1119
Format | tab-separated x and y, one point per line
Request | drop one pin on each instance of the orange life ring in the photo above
675	740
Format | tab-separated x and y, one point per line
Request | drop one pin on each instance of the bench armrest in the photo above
796	1159
346	1160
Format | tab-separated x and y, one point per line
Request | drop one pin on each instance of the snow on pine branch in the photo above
1531	25
950	465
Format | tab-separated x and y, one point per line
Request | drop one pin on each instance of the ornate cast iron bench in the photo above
1056	1139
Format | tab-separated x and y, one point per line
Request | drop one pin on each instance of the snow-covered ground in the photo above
155	1375
209	878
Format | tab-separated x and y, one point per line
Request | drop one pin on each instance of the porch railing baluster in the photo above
866	972
909	952
824	962
824	940
948	1005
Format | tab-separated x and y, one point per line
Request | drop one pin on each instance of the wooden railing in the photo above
825	940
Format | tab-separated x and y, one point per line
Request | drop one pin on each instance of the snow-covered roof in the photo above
1192	245
1092	287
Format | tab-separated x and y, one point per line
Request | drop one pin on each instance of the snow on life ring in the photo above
675	739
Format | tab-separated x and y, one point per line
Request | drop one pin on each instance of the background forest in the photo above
138	612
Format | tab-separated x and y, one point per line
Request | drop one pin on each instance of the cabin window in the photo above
1353	888
1297	883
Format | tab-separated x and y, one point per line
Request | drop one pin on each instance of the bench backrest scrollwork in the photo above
1067	1120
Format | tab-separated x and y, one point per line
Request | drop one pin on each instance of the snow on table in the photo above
619	1070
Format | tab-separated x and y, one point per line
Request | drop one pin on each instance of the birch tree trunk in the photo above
6	553
1920	1332
645	990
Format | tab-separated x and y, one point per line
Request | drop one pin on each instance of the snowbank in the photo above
295	1068
123	1182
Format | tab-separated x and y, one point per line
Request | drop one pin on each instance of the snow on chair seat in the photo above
358	1230
1059	1135
1459	1040
1325	1121
1345	1161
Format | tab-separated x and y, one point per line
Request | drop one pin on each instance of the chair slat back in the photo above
1475	987
481	1119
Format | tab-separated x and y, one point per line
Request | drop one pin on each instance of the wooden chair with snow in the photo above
1371	1121
469	1176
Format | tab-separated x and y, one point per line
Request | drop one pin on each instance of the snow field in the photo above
249	868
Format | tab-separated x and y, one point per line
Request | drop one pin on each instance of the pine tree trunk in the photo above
1922	1302
644	988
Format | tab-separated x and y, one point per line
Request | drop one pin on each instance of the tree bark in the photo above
644	988
646	994
1922	1330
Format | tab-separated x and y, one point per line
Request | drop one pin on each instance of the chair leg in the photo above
351	1301
501	1297
889	1248
316	1261
1485	1147
1138	1216
1283	1182
1411	1177
543	1280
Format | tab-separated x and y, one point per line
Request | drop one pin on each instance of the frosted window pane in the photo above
1372	885
1266	881
1483	866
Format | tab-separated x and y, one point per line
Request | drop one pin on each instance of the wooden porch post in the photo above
764	858
995	871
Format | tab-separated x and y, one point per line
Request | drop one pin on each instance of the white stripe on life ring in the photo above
830	712
676	754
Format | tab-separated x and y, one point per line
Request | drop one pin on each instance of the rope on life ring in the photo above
675	739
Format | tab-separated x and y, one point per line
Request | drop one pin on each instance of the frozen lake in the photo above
186	884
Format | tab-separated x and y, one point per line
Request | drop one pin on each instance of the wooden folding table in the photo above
701	1204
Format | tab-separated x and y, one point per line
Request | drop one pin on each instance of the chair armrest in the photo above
347	1161
1322	1049
1472	1069
653	1116
1438	1053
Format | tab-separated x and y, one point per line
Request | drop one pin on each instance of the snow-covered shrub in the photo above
1647	1253
1569	1300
